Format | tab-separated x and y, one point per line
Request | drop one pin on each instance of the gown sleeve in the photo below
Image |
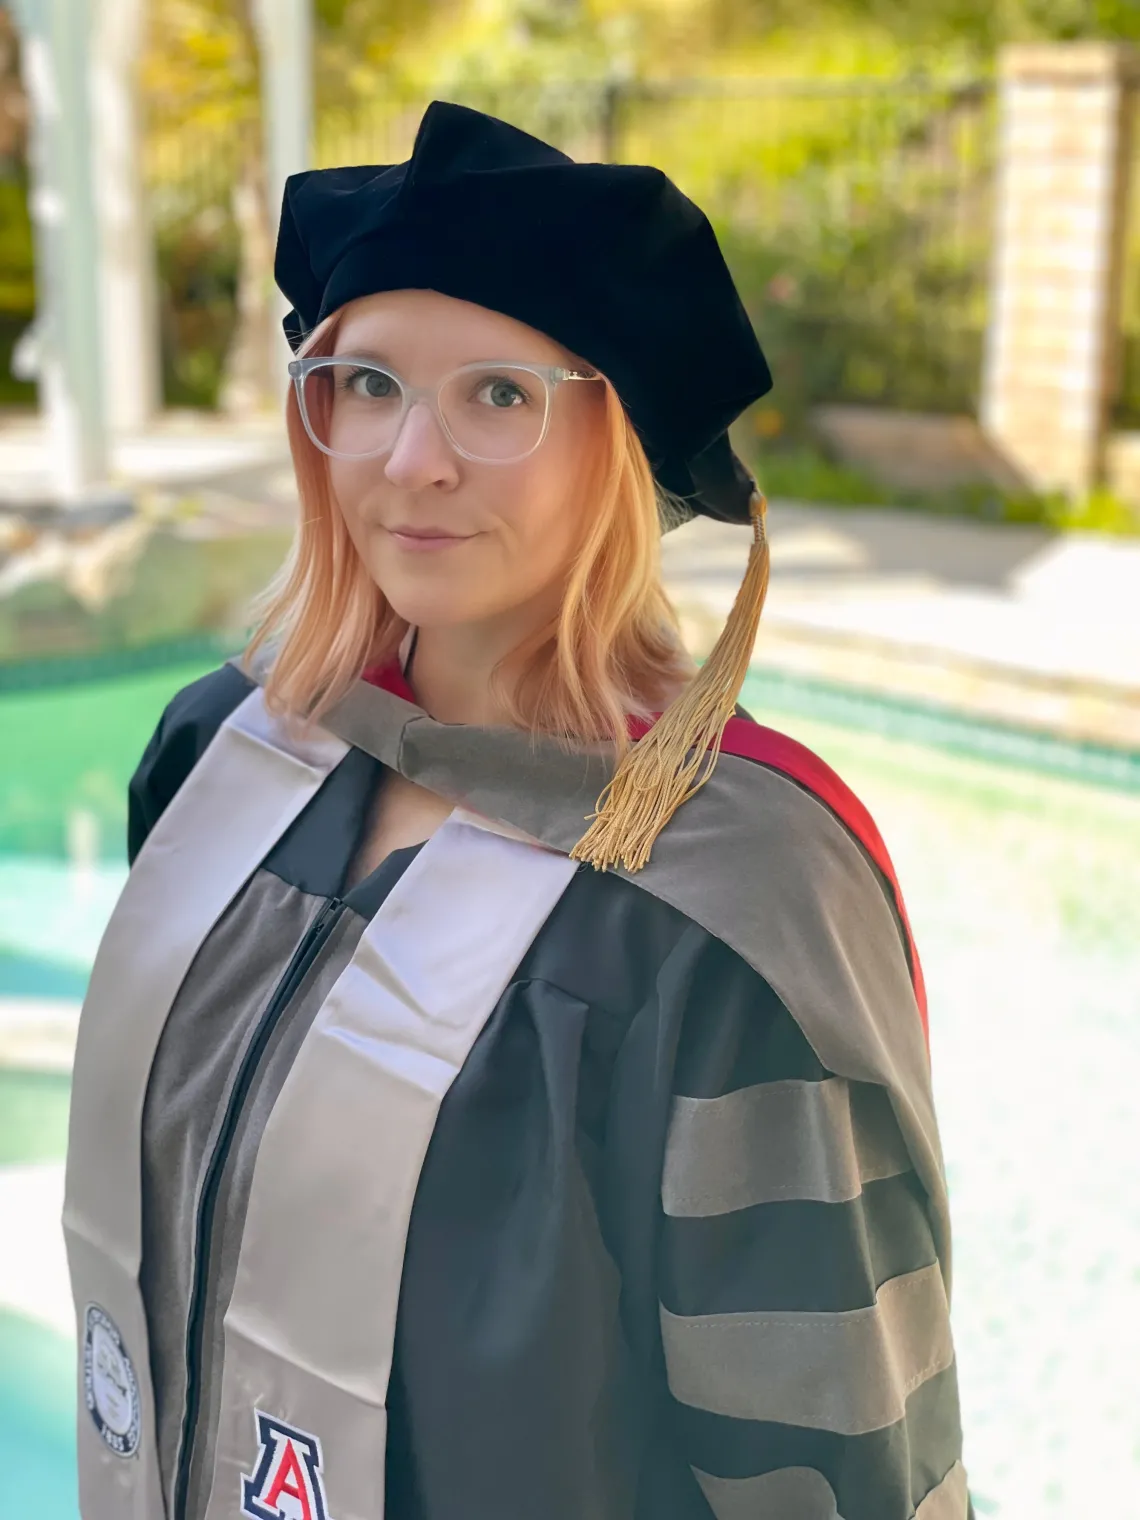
189	722
804	1318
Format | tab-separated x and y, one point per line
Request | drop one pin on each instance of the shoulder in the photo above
206	703
193	715
767	749
188	723
778	857
775	756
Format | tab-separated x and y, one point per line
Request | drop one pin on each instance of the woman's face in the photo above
502	536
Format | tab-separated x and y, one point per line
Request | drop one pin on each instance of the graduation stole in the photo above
310	1326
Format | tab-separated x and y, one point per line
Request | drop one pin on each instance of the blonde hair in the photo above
614	651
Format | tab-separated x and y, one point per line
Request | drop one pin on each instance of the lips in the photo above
435	534
426	540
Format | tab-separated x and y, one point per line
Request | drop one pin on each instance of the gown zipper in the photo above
308	948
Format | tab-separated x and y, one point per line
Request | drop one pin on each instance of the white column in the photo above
55	43
285	34
128	282
1053	338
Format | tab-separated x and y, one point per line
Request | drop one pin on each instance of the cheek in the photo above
546	513
350	485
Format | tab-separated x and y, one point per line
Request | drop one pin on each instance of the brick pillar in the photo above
1053	341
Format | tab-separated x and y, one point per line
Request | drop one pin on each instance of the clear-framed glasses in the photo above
494	413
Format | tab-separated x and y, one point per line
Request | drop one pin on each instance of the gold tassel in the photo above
677	756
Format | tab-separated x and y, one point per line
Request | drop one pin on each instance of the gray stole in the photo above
310	1326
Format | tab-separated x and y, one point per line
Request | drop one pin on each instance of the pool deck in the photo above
1003	622
38	1034
33	1280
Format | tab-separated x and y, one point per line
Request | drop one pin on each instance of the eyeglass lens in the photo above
495	412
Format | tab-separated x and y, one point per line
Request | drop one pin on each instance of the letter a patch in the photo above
287	1483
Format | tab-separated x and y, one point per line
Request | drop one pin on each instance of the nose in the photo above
421	455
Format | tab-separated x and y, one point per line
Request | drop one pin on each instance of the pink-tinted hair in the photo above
614	650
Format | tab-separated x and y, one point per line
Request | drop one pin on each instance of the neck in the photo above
450	670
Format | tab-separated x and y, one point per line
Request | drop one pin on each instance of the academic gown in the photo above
677	1244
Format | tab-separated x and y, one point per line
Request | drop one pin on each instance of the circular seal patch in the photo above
110	1387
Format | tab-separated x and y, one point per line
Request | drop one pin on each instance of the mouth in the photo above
421	539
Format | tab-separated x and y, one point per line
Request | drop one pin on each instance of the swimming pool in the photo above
1022	891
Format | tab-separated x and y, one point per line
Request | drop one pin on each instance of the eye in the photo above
370	384
502	392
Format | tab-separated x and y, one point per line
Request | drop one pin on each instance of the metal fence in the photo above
855	214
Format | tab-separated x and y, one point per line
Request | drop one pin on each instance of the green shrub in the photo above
198	258
17	282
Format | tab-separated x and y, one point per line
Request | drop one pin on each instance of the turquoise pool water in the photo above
1023	893
37	1423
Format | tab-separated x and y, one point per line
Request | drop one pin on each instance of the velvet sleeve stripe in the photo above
948	1500
778	1140
796	1256
849	1372
885	1474
789	1493
801	1493
803	1311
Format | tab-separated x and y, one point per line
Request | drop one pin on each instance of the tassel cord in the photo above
677	757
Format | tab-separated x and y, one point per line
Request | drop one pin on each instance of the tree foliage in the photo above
13	100
980	27
16	253
551	65
199	71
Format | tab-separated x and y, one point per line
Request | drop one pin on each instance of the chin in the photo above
438	606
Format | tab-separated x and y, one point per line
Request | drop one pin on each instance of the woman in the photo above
420	1165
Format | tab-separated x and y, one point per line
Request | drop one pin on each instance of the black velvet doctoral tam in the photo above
610	260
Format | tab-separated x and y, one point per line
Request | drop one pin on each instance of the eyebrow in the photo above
363	353
377	357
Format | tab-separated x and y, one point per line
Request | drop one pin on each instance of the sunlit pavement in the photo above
1022	893
181	448
1002	621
